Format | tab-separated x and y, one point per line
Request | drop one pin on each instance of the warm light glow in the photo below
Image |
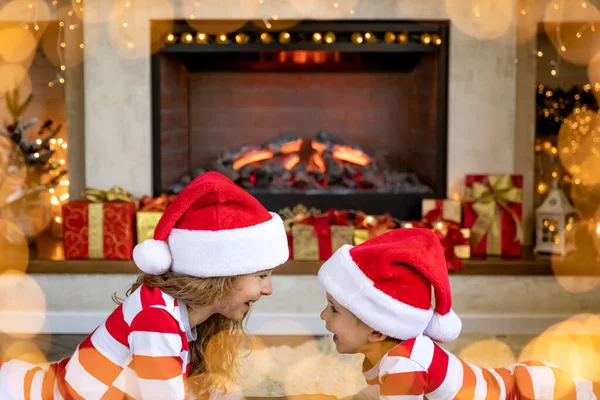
64	197
63	67
540	54
317	37
329	37
54	200
266	37
553	72
255	156
542	188
284	37
60	140
58	220
408	225
38	141
369	219
36	155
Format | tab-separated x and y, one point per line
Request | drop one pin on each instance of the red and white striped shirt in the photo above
139	352
420	369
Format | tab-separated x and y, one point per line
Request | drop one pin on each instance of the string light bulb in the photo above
370	37
403	38
330	37
170	38
201	38
389	37
317	38
241	38
426	38
222	38
437	40
187	38
357	38
284	37
266	37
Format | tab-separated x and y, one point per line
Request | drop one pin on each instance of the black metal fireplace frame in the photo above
404	206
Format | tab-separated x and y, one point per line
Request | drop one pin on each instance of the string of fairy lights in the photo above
58	194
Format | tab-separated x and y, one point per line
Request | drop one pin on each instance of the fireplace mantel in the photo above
47	257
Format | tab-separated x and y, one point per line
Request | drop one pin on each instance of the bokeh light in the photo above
489	353
481	19
21	294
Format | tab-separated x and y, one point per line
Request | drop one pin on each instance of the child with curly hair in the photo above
179	330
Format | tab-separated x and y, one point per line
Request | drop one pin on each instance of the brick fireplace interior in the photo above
217	101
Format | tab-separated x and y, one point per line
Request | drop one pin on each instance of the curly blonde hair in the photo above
214	355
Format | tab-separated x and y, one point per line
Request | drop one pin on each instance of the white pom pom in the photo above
444	328
152	256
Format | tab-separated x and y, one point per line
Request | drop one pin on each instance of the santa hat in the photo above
386	282
214	228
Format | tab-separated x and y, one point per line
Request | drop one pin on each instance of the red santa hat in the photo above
214	228
386	282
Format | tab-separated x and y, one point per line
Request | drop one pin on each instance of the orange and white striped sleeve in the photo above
540	380
156	343
401	378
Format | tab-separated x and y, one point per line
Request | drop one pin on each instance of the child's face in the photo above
350	334
247	291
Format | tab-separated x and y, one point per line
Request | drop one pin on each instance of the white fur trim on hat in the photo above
152	256
342	278
444	328
229	252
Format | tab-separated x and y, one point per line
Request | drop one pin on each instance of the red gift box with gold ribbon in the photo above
492	209
101	227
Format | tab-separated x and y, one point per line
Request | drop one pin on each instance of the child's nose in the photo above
322	315
267	288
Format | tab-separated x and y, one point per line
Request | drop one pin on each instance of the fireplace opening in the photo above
357	122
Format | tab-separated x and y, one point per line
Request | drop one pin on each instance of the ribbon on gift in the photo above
297	214
375	225
115	193
453	238
96	216
487	202
159	203
449	234
322	229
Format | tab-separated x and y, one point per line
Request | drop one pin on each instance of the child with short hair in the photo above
179	330
379	303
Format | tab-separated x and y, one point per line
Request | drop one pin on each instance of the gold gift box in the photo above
463	251
360	236
146	222
306	243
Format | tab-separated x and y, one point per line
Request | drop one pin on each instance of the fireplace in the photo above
333	114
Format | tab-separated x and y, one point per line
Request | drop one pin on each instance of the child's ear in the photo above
376	337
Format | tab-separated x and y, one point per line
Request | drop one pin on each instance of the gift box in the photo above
463	251
492	209
150	211
318	237
447	210
368	226
293	215
99	228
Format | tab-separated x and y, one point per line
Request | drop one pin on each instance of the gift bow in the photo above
375	225
487	200
115	193
322	223
449	236
159	203
296	214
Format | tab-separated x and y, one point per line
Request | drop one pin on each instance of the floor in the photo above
289	365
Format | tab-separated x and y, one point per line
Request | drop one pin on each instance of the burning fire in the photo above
250	158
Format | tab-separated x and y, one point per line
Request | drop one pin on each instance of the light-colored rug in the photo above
316	367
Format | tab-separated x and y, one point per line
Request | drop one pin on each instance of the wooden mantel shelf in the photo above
47	257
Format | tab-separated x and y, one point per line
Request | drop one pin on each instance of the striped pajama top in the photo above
420	369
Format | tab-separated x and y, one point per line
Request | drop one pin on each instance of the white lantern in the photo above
555	221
